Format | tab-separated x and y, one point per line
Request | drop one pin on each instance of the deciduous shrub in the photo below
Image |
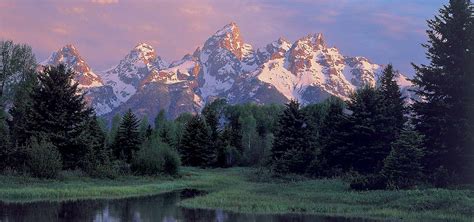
155	157
44	159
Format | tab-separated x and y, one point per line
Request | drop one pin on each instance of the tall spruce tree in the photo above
364	149
445	86
58	113
213	112
292	147
403	167
392	102
335	130
128	138
196	148
97	152
114	129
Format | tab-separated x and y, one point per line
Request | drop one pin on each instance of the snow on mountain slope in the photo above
96	94
131	70
70	56
225	66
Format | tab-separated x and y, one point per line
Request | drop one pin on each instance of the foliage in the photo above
293	146
369	182
128	139
15	60
403	166
58	112
195	147
44	159
444	114
155	157
96	162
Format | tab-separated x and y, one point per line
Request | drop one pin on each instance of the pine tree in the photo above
292	148
364	149
403	167
114	129
392	104
94	142
58	112
196	148
160	119
143	128
128	137
335	130
445	86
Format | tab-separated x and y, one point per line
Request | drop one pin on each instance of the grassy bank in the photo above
235	190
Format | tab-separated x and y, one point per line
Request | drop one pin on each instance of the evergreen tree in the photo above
114	129
403	166
334	133
58	113
97	153
212	113
292	147
392	105
445	86
143	128
364	149
128	137
160	119
196	148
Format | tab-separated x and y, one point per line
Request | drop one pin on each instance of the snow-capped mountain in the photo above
97	94
224	66
70	56
131	70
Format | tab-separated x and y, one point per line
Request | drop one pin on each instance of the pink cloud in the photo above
105	2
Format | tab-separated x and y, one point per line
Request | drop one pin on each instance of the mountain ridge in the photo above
225	66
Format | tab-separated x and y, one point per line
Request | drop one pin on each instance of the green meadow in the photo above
248	191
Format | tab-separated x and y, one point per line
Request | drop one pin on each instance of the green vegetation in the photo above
248	190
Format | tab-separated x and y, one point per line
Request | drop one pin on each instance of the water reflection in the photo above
153	208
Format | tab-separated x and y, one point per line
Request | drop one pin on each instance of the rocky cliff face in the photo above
225	66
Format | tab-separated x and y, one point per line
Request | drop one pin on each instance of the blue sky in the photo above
105	30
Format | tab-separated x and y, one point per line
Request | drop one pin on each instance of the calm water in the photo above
153	208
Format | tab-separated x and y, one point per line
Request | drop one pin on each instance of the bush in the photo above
369	182
172	161
402	167
44	159
155	157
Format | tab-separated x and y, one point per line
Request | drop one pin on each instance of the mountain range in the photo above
225	66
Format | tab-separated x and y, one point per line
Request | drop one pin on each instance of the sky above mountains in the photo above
106	30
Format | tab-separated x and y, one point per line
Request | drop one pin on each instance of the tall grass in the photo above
237	190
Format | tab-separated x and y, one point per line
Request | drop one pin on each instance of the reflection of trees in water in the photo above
145	208
153	208
51	211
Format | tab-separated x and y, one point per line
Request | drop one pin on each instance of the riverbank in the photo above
238	190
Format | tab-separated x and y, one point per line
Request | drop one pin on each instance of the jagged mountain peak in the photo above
313	41
69	55
144	52
228	38
232	27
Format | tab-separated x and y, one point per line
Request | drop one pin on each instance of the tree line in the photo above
378	138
